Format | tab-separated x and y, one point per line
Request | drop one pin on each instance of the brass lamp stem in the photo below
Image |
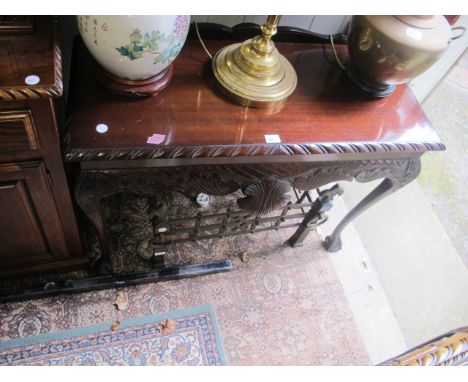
269	28
263	44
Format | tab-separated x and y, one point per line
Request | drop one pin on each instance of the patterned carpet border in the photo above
213	349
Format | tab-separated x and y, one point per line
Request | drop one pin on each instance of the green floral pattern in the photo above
150	43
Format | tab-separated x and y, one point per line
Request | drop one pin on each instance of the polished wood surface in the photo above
325	108
29	54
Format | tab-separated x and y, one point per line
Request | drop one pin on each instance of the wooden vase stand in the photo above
135	88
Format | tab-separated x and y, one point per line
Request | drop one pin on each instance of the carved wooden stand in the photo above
142	88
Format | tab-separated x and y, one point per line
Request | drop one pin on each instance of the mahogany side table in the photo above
190	139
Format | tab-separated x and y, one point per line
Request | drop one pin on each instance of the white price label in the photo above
273	138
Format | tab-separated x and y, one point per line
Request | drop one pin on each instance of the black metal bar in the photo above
297	239
51	288
313	218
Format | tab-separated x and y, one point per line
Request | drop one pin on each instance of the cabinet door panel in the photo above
30	227
20	234
17	131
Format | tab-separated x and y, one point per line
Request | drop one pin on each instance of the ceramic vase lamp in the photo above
135	53
385	51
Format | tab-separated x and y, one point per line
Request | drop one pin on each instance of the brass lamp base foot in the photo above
372	89
246	88
254	73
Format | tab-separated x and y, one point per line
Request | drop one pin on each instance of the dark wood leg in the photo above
98	223
332	243
400	176
88	196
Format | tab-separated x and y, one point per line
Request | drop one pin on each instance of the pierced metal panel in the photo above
305	212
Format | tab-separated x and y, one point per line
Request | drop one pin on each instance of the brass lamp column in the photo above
254	73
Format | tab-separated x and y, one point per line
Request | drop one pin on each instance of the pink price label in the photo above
156	139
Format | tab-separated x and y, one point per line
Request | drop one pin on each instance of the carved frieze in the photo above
263	184
258	150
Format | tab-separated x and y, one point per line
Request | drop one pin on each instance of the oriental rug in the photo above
280	306
191	339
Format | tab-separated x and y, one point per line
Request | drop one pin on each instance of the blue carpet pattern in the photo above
138	341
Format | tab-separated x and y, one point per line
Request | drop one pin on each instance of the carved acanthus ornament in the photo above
264	185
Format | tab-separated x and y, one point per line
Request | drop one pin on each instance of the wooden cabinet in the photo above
38	230
31	229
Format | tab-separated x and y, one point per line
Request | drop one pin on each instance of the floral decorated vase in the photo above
134	47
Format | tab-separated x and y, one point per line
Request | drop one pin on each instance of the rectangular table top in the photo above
191	118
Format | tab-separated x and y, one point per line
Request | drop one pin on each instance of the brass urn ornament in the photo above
385	50
254	73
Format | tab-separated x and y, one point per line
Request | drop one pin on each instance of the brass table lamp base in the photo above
254	73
